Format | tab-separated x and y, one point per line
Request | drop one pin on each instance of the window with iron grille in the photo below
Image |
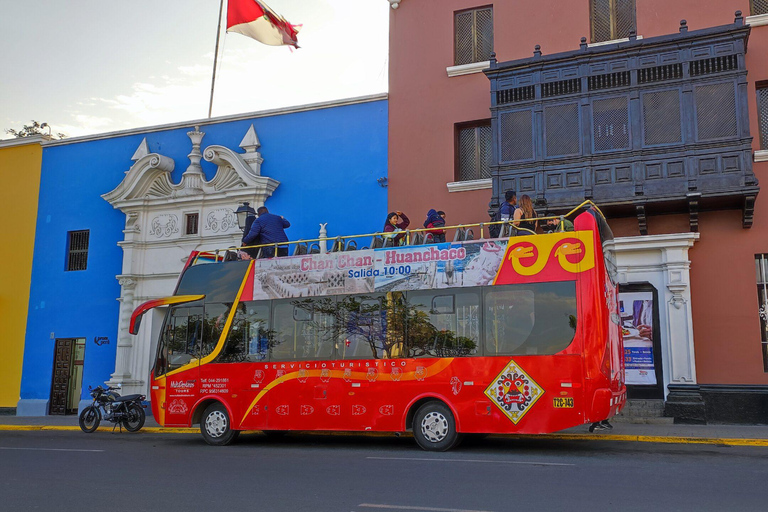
473	151
612	19
761	272
758	7
191	224
77	250
762	112
473	32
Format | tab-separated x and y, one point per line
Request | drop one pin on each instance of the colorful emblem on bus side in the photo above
546	256
514	392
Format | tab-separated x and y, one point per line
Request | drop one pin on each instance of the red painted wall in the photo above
425	104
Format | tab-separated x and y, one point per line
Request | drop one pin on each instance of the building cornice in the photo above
222	119
23	141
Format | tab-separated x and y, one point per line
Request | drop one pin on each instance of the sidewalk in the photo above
733	435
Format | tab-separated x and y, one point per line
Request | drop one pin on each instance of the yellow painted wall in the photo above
19	186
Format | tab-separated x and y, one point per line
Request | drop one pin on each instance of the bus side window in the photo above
364	327
216	316
531	319
443	325
248	338
183	336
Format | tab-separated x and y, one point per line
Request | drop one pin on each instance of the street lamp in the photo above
243	212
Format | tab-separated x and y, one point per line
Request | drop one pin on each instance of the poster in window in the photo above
637	327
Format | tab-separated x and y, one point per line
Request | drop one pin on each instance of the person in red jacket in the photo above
396	222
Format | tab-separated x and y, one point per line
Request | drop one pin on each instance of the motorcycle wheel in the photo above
135	419
216	427
89	419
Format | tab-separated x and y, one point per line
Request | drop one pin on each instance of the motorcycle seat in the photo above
127	398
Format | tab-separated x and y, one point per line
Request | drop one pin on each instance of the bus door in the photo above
178	359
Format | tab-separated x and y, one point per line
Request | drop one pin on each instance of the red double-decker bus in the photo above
510	335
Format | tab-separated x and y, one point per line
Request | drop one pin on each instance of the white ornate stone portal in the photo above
662	261
165	221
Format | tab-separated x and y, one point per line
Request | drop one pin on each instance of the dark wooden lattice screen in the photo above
661	117
475	152
716	111
612	19
561	123
610	118
516	136
474	35
77	253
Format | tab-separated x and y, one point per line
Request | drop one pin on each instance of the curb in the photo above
719	441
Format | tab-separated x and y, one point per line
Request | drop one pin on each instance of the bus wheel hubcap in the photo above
434	426
216	424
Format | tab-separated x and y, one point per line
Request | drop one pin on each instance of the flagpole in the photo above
215	58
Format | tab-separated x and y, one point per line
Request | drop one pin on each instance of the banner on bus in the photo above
424	267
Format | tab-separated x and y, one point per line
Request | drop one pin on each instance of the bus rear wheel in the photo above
216	426
434	427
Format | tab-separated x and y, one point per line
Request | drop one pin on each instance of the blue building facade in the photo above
328	159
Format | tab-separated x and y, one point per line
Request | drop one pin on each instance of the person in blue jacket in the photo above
268	228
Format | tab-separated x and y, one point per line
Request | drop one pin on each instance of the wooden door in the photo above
62	363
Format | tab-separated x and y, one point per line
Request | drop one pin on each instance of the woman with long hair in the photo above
525	215
396	222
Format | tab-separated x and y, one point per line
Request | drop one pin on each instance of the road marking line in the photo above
473	460
48	449
430	509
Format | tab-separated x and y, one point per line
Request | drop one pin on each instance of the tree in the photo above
33	129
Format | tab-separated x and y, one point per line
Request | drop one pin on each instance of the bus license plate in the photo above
563	403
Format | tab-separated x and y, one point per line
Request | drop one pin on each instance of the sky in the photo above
95	66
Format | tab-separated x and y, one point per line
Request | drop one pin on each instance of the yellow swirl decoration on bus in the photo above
432	370
521	251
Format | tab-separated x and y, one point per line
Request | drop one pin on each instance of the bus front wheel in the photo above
216	426
434	427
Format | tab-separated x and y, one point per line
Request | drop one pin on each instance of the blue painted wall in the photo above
327	162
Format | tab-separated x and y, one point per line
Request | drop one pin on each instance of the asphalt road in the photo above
72	471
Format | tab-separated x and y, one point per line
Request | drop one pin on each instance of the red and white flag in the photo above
255	19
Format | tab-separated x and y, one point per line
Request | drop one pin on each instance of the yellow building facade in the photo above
20	162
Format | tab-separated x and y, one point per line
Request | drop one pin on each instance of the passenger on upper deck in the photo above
268	228
436	219
396	221
525	215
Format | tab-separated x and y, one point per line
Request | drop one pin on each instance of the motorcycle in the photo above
125	411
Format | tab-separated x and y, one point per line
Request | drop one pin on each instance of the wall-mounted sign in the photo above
637	327
101	340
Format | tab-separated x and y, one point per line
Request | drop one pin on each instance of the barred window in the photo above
473	32
612	19
473	151
758	7
191	224
761	271
762	113
77	250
